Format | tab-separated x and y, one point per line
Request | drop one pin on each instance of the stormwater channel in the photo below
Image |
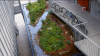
34	29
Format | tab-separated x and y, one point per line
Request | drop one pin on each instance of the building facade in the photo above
92	6
8	42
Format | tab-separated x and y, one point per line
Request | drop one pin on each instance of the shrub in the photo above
36	10
40	32
43	22
49	11
51	39
68	42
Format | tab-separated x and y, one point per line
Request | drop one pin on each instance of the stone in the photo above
44	53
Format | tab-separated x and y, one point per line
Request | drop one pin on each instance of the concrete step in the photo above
87	47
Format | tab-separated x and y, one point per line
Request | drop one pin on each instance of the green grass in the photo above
36	10
51	38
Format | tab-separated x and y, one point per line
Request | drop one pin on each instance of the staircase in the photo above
87	47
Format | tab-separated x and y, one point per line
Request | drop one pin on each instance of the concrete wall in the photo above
95	9
74	1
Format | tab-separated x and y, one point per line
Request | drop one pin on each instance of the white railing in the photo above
85	44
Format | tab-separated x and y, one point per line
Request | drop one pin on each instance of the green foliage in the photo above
68	42
50	12
43	22
40	33
36	9
29	5
51	38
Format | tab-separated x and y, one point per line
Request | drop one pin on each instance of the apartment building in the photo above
8	42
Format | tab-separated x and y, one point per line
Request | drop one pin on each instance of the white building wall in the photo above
8	43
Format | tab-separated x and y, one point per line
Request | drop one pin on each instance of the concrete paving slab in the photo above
24	48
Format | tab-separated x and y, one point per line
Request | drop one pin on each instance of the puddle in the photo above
33	31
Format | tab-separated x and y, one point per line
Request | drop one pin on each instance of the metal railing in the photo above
85	44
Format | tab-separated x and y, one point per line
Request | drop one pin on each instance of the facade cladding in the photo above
8	42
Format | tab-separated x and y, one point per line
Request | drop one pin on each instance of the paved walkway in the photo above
24	48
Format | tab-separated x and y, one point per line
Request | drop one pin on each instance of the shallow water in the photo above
33	31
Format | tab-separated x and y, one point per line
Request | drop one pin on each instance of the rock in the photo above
60	53
49	28
62	25
66	32
71	37
67	51
44	53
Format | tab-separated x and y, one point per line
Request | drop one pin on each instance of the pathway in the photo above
24	48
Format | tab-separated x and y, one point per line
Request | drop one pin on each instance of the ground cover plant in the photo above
52	37
36	9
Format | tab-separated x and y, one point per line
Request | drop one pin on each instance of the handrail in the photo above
78	24
85	36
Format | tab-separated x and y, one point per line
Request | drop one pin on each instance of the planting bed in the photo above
59	35
36	9
53	36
